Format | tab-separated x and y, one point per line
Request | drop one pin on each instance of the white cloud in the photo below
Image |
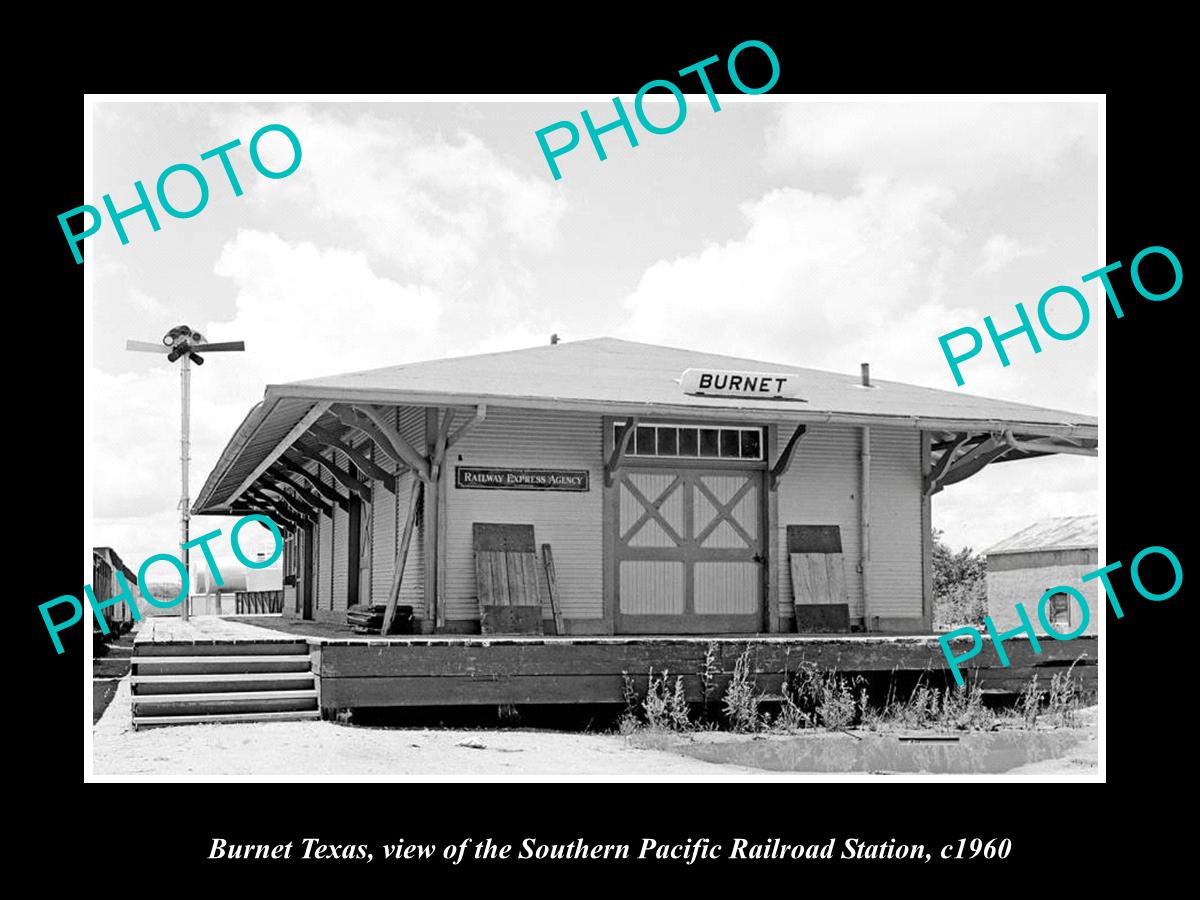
305	311
816	280
957	145
433	203
999	250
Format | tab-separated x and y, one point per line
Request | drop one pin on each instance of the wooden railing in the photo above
258	602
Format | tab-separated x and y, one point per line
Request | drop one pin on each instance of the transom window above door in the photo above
693	441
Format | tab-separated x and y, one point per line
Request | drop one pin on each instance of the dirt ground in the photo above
325	748
1084	758
329	749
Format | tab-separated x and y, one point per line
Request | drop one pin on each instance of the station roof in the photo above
1065	533
609	376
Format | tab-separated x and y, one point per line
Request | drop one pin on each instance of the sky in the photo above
816	234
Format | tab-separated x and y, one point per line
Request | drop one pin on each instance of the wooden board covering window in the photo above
506	576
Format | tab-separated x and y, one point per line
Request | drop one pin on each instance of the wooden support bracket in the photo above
402	449
620	446
480	415
936	474
785	458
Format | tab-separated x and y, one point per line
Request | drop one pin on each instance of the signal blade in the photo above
146	347
228	345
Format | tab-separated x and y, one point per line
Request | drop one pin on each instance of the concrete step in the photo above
220	682
195	665
286	716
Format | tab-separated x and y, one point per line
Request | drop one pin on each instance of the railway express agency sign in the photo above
723	383
497	479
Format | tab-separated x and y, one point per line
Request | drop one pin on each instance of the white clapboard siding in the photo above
341	540
821	488
571	522
895	570
383	510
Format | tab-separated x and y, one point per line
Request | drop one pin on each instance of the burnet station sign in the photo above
723	383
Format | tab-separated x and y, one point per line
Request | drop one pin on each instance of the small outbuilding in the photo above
1047	554
105	566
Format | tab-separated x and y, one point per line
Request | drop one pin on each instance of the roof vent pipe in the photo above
866	374
553	339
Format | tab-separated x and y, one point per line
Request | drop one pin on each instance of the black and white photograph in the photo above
674	436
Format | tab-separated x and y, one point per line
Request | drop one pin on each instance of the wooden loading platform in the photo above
211	669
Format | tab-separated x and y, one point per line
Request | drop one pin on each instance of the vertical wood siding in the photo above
341	539
821	488
569	522
383	527
324	563
410	422
895	588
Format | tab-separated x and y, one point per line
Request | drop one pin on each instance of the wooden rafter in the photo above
354	421
269	507
318	409
327	438
298	508
288	468
284	482
302	452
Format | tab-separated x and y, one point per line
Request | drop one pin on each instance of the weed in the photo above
666	708
963	709
741	703
629	721
1030	703
1064	698
836	707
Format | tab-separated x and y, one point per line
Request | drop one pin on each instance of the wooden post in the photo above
552	585
432	502
438	472
402	556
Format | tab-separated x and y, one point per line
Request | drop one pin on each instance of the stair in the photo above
217	681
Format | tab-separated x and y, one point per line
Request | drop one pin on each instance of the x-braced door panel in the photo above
688	551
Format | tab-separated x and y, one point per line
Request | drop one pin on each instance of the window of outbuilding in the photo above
1058	610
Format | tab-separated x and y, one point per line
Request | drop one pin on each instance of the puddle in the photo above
970	754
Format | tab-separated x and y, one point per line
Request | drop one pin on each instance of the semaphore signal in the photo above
184	345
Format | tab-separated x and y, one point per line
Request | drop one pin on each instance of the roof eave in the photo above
1078	430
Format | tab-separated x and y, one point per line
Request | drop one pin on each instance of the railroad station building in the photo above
681	493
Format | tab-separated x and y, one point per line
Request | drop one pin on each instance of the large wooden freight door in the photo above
688	551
